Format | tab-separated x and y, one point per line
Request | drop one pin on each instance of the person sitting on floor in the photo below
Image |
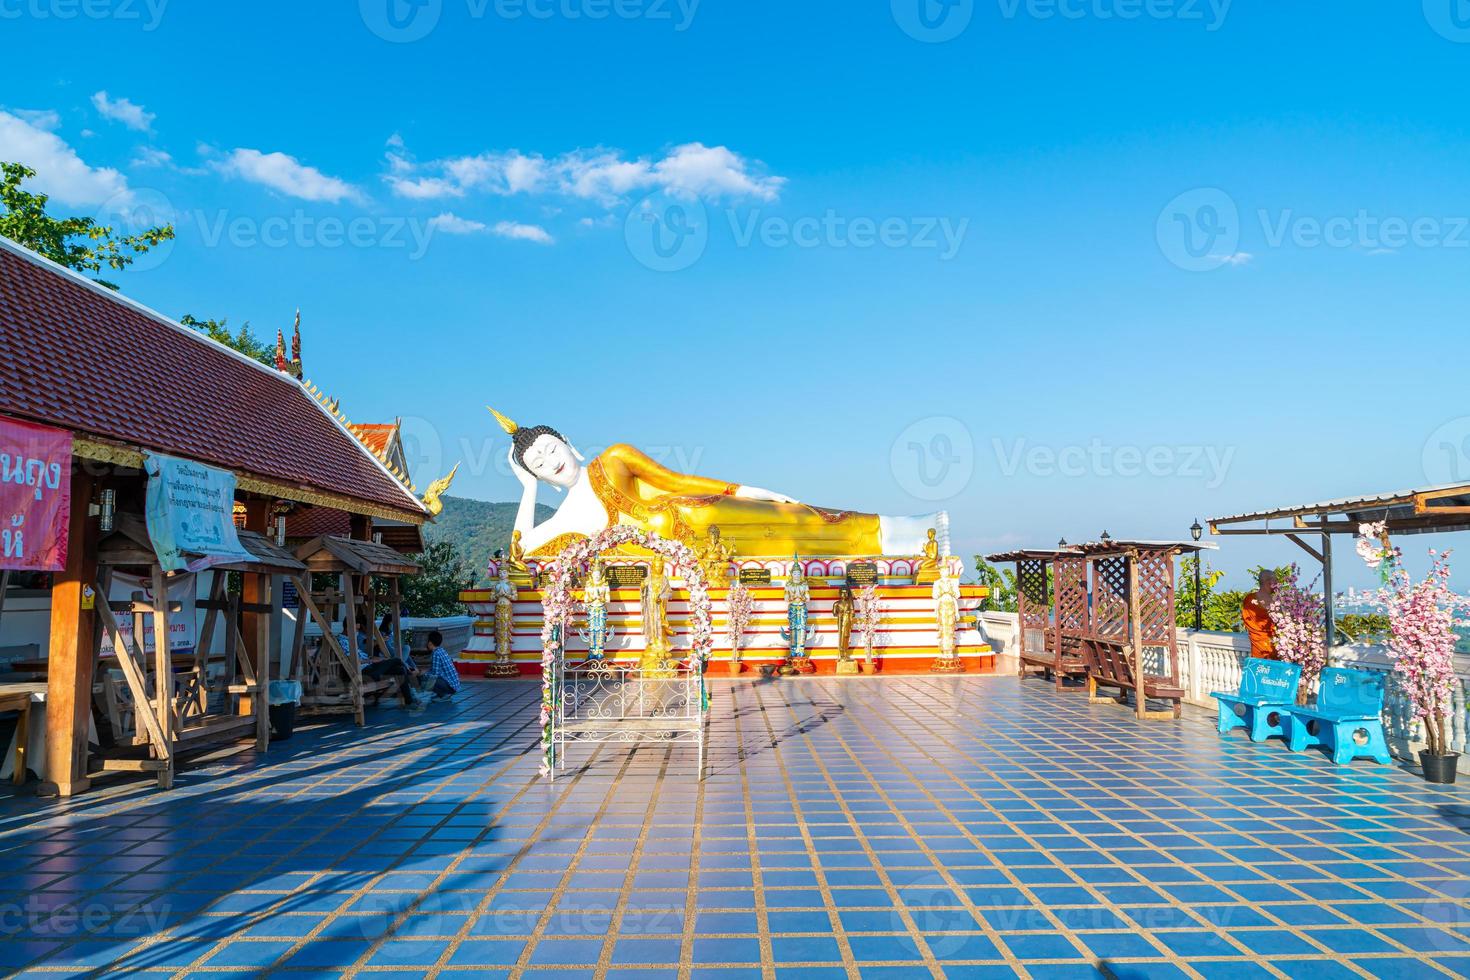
443	671
376	668
420	679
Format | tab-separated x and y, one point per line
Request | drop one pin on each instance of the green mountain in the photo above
478	529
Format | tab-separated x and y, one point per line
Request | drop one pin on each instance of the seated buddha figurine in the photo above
624	486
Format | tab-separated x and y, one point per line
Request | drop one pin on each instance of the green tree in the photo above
435	590
77	243
1002	585
242	340
1221	607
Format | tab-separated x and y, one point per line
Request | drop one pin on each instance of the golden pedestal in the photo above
926	576
847	667
502	668
950	664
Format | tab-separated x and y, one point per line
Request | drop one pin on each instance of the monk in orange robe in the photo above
1255	613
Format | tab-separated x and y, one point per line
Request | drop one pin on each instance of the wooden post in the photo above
163	680
72	655
263	666
1135	648
354	675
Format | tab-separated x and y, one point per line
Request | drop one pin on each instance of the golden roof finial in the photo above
510	427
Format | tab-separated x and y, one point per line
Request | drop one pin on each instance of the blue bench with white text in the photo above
1348	702
1267	691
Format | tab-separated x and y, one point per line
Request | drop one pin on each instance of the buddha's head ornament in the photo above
543	452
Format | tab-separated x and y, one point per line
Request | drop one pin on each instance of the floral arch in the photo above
573	564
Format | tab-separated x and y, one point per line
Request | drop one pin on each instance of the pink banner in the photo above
35	496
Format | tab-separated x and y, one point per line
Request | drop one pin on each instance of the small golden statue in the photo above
946	621
656	628
714	557
504	591
928	570
842	611
520	573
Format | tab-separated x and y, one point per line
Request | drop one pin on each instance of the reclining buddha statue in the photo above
624	486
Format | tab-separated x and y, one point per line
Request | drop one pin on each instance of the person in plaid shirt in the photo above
442	670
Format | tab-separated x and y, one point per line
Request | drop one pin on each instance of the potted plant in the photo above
739	619
1299	617
1422	619
869	617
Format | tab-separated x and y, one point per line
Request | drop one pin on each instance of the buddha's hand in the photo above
756	493
528	481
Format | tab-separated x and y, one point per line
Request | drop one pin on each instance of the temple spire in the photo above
280	352
296	347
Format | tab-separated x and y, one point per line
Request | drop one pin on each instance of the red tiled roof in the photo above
79	357
313	522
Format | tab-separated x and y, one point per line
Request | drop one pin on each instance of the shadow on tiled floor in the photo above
883	827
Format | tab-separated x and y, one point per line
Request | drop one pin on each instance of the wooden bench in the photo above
17	697
1348	702
1109	663
1267	690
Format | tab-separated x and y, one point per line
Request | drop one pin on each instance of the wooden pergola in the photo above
1440	509
331	676
1128	639
170	705
1051	605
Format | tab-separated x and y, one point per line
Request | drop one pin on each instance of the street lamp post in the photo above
1197	532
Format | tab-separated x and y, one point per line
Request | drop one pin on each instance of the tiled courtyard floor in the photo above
885	827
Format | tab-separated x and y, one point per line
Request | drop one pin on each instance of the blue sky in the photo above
1086	264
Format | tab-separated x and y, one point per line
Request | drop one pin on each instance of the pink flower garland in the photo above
557	602
739	620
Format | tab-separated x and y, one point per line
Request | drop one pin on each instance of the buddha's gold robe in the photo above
636	490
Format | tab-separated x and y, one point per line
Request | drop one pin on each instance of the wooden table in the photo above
18	697
181	661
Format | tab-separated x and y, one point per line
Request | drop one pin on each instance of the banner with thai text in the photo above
183	625
35	496
191	514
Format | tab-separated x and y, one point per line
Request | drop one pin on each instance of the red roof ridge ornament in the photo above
281	354
296	347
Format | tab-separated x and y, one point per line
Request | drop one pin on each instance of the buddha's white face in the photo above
552	461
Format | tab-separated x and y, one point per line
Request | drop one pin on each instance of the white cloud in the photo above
452	224
124	111
59	171
151	156
525	233
714	171
1236	259
590	174
286	174
47	119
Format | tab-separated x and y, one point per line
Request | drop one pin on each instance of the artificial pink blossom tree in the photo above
1299	617
1422	619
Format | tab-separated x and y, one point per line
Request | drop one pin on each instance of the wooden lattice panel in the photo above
1070	583
1110	597
1032	593
1156	597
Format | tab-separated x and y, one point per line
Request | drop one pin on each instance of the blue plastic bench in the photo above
1267	690
1348	702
